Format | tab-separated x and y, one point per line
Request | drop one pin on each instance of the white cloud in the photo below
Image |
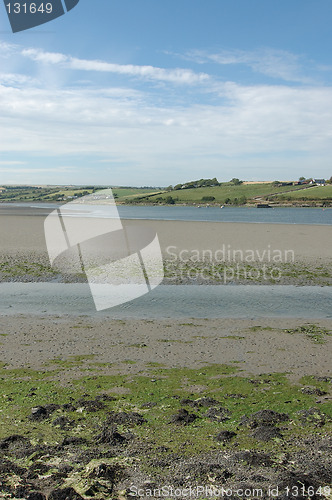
145	133
36	170
15	79
180	76
44	57
177	75
278	64
248	119
12	162
8	48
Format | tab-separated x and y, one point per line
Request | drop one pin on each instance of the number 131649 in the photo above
29	8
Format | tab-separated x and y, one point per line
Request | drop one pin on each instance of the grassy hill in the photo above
312	193
65	193
228	193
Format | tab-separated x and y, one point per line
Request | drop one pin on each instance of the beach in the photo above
94	407
302	253
309	243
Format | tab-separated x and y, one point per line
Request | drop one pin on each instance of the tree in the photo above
208	198
302	178
236	181
169	200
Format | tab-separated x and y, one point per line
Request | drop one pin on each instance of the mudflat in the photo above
311	243
103	408
254	345
301	254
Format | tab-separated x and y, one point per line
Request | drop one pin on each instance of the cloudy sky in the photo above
152	92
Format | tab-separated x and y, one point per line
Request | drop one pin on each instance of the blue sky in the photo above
149	92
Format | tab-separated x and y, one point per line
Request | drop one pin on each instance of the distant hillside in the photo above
66	193
236	192
199	192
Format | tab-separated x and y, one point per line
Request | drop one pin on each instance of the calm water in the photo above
177	301
278	215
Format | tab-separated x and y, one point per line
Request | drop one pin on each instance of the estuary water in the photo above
172	301
277	215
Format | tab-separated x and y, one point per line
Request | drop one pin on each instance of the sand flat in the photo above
128	346
309	243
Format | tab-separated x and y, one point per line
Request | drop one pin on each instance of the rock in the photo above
65	494
111	436
225	436
14	440
313	416
263	418
69	407
313	391
183	417
254	458
38	413
92	405
73	440
7	467
50	408
218	414
266	433
35	495
62	422
107	472
122	418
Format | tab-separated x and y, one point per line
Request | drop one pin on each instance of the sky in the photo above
153	93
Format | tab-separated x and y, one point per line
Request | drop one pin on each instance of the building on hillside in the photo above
318	182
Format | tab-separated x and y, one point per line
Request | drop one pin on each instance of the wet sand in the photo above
35	340
128	346
25	233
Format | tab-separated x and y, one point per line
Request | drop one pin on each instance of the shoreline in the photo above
319	203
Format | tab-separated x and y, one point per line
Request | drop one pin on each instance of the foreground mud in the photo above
169	433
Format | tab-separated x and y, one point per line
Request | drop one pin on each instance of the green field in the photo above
41	194
313	193
226	193
63	193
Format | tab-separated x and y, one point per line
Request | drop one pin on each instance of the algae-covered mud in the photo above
119	436
146	414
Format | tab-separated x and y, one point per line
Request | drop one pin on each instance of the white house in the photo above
318	182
